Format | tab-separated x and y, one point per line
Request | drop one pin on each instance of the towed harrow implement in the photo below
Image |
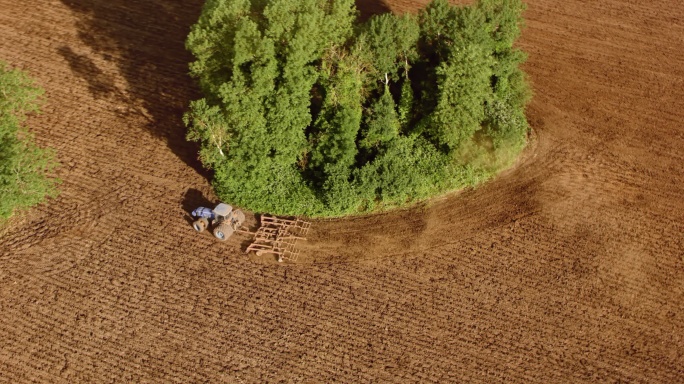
278	236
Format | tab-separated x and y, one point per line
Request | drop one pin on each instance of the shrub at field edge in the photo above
24	167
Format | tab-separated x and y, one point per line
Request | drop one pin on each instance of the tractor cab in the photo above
222	211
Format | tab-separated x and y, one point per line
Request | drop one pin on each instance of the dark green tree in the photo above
405	107
382	124
459	49
392	42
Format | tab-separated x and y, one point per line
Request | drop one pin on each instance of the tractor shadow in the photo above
194	198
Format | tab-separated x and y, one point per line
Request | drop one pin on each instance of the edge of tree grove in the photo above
309	111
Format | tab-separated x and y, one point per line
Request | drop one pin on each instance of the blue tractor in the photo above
223	218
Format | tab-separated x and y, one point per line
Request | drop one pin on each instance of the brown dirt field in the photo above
567	268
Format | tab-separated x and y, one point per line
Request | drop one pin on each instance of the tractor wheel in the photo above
200	224
238	218
223	231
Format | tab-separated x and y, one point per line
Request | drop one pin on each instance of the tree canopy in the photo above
309	111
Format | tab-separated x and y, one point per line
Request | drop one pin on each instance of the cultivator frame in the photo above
278	236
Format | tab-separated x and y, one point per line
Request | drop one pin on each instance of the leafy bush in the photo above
24	167
309	111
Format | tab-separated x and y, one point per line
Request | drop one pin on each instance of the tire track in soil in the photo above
568	267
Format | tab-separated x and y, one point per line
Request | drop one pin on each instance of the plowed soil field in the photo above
567	268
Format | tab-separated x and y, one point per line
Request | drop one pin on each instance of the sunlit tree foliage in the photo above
309	111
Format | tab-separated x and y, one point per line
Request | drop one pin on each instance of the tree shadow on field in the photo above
368	8
145	39
99	83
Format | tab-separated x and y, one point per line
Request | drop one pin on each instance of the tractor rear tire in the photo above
223	231
238	218
200	224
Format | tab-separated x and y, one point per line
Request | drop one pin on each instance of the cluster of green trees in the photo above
24	167
309	111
